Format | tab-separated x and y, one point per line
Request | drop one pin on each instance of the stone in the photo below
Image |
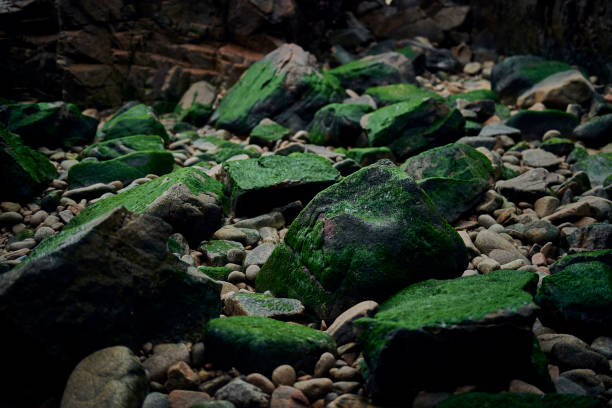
257	304
488	265
575	355
259	255
533	124
125	168
243	395
587	206
283	375
578	298
251	272
524	388
515	400
10	218
422	326
603	346
114	148
374	70
454	176
212	404
261	381
283	86
596	132
215	251
111	377
259	185
558	90
487	241
540	232
350	400
90	192
133	119
598	167
342	329
591	237
325	363
370	155
288	397
181	376
267	133
499	129
220	150
360	239
43	232
268	343
200	92
411	127
558	145
529	186
546	206
196	115
50	124
185	398
395	93
87	316
156	400
472	68
604	256
478	141
315	388
25	172
540	158
337	124
586	379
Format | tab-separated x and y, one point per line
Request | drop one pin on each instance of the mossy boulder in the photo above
453	332
454	176
370	155
408	128
267	133
395	93
114	148
374	70
604	255
133	119
215	251
56	124
338	124
219	150
578	299
259	304
216	272
516	74
558	145
596	132
124	168
197	114
362	238
533	124
258	185
596	166
516	400
283	86
26	172
268	343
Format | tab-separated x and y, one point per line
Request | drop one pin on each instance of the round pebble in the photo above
43	232
486	220
251	272
283	375
236	276
325	363
38	217
261	381
10	218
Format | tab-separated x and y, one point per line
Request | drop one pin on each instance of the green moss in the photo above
216	272
114	148
390	94
598	167
408	52
369	155
124	168
363	68
258	304
196	114
509	173
337	124
577	154
220	246
519	147
502	111
471	96
225	150
515	400
136	120
267	134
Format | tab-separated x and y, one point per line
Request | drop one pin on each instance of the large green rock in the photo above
338	124
197	114
363	238
516	400
114	148
283	86
454	176
133	119
374	70
125	168
604	255
395	93
56	124
267	134
268	343
533	124
578	299
453	332
258	185
411	127
597	166
25	172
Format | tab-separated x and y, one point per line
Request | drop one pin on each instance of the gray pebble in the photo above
236	277
251	272
10	218
43	232
486	220
26	243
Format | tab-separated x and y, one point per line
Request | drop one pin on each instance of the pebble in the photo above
38	217
88	193
259	255
164	356
343	373
8	206
156	400
325	363
251	272
184	398
586	379
181	376
43	232
288	397
486	220
550	134
472	68
516	264
10	218
236	276
283	375
28	243
243	394
523	387
261	381
342	329
236	255
603	345
197	354
315	388
546	206
488	265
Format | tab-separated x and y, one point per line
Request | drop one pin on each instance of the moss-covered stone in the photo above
454	176
267	342
370	155
25	172
502	111
219	150
451	332
215	251
338	124
362	238
133	119
114	148
258	304
558	145
596	166
516	400
374	70
267	134
604	255
533	124
216	272
578	299
472	96
124	168
56	124
283	86
411	127
596	132
261	184
390	94
196	114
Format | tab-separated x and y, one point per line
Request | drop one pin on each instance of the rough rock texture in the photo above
337	124
361	239
133	119
114	148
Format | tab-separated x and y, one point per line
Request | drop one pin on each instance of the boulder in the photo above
454	176
408	128
604	256
133	119
283	86
516	400
338	124
395	93
268	343
362	238
109	378
533	124
558	90
26	173
591	237
596	132
125	168
450	332
259	185
114	148
374	70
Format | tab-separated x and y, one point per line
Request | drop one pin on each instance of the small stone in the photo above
488	265
38	217
325	363
10	218
575	355
342	329
181	376
472	68
259	255
89	192
491	202
517	263
235	277
284	375
344	373
540	158
184	399
251	272
550	134
43	232
603	345
586	379
354	401
261	381
197	354
236	255
486	220
8	206
156	400
288	397
26	243
523	387
164	356
243	394
315	388
546	205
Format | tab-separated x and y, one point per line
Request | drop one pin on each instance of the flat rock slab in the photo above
114	148
258	185
540	158
256	304
529	186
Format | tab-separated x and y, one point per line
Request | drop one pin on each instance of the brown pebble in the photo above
523	387
261	381
288	397
326	361
183	399
283	375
